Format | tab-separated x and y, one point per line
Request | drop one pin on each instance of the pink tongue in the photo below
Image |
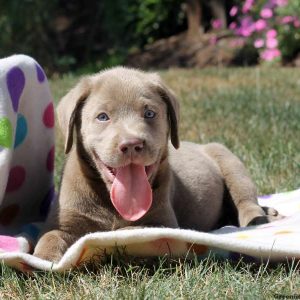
131	192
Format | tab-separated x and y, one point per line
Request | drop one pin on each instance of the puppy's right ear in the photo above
67	109
172	103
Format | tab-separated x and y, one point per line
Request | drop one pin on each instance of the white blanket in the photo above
277	241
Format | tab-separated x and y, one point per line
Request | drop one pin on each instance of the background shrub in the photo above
67	34
270	26
64	34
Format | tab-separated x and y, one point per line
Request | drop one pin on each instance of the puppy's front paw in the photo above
51	246
270	211
46	255
271	215
258	221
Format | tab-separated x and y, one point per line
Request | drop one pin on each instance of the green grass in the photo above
206	279
256	113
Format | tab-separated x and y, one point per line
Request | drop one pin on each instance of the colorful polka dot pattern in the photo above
21	130
40	74
50	160
8	243
16	134
48	116
15	80
16	178
6	133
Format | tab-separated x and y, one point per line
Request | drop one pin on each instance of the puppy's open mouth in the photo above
130	192
111	172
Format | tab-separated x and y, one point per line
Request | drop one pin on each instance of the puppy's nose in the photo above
132	145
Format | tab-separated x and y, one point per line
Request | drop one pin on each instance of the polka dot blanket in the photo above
26	151
26	191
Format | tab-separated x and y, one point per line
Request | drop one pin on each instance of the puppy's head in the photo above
124	118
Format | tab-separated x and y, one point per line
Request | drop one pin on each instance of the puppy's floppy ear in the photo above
67	108
172	103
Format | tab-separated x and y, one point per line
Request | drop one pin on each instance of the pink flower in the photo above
272	33
297	23
247	27
282	2
245	32
247	6
259	43
266	13
216	24
232	25
287	19
260	25
233	11
271	4
270	54
271	43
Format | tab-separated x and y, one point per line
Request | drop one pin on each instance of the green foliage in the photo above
67	35
289	35
64	34
26	27
138	22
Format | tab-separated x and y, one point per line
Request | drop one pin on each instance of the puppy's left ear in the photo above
168	96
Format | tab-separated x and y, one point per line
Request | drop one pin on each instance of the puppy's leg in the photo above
240	186
53	244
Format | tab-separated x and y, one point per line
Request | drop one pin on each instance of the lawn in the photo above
256	113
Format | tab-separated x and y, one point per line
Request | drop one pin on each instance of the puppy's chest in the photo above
112	222
106	217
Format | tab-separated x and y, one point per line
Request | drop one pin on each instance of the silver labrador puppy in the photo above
121	171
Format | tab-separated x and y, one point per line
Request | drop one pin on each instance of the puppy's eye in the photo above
149	114
103	117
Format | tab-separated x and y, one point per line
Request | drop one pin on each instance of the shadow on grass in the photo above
124	265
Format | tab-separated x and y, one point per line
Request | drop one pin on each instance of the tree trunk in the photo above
219	11
194	17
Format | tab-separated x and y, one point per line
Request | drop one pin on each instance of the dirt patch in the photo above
208	49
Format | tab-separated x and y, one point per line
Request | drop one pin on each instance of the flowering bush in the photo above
289	33
270	26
